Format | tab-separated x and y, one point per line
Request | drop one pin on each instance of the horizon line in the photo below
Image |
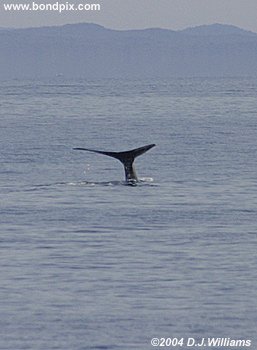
131	29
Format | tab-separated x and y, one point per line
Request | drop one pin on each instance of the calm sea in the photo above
90	263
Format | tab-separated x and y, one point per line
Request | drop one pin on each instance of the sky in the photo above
137	14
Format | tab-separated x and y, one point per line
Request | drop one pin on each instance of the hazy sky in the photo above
130	14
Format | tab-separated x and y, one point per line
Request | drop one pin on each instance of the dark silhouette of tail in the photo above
126	158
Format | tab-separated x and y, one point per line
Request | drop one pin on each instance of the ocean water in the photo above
90	263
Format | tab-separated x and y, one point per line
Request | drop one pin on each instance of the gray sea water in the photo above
90	263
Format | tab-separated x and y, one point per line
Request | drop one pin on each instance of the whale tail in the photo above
126	158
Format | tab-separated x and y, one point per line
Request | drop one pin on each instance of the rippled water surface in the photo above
90	263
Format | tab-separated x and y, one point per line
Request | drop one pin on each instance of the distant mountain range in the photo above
92	51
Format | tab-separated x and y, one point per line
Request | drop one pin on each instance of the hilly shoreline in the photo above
91	51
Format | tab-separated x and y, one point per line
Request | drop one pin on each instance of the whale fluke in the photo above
126	158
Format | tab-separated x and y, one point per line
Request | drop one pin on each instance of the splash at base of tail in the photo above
126	158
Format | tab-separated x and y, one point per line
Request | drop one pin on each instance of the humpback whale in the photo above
126	158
